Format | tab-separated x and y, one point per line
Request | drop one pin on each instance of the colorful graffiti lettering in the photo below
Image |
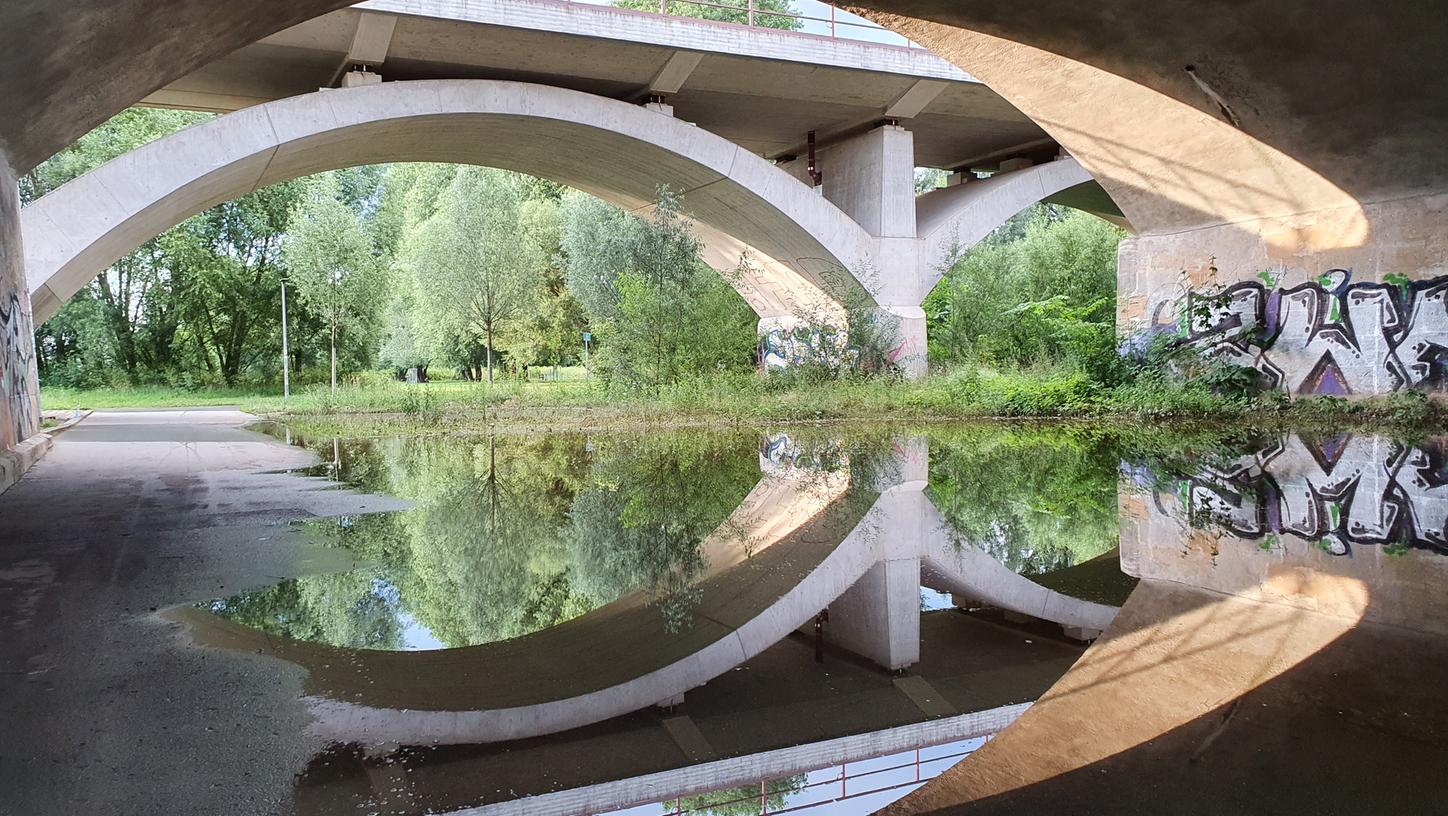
1335	492
1328	336
17	397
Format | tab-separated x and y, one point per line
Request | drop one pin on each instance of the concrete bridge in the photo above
1229	158
805	238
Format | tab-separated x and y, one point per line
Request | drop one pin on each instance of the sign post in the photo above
587	339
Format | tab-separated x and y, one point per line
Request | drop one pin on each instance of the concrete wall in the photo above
19	390
1345	301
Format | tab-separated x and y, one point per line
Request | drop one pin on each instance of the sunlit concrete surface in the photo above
1244	674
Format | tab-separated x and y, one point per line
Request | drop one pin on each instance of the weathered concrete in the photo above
1272	660
19	386
762	89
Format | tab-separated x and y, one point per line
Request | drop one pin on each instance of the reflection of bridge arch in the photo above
799	543
612	149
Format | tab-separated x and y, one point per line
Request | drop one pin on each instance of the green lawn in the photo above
383	404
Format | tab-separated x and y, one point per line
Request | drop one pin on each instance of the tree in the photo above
477	267
330	260
1041	289
767	13
661	314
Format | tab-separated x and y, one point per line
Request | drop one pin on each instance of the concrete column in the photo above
871	178
879	617
19	387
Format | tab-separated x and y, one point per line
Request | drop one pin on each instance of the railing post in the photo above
832	19
663	6
751	13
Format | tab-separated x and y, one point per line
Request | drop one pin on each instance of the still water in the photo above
562	616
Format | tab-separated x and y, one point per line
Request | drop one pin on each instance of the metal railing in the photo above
837	27
841	784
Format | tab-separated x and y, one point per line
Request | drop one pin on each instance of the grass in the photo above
375	404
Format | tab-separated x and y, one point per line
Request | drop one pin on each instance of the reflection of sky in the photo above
870	784
847	26
931	600
415	636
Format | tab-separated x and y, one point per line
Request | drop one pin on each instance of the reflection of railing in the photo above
837	787
838	28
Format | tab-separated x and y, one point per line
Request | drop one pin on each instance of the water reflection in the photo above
650	601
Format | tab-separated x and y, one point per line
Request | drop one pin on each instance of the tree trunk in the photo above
490	353
334	359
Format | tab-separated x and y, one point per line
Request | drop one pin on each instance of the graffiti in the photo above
1328	336
17	397
781	348
1336	492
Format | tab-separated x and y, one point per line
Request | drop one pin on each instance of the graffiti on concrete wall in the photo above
1336	492
1328	336
17	400
781	348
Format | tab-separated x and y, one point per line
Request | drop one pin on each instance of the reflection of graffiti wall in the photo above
1329	336
1335	493
19	416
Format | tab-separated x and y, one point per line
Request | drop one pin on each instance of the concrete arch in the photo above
615	150
959	217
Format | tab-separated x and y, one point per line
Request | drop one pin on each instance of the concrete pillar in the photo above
19	387
871	178
879	617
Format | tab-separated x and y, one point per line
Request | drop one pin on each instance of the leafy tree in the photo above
1042	289
330	260
660	313
477	267
767	13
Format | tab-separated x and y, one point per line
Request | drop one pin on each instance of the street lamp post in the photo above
286	362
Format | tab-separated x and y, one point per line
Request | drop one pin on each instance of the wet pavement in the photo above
198	617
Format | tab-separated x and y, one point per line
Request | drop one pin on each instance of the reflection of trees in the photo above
508	536
349	609
740	801
646	508
1037	501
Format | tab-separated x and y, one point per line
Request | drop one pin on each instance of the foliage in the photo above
477	263
767	13
660	314
330	259
1042	290
1049	502
508	536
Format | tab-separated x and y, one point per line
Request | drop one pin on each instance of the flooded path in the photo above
201	617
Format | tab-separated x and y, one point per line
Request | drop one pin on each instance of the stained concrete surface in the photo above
107	708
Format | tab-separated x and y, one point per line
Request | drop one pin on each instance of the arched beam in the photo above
617	151
955	218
